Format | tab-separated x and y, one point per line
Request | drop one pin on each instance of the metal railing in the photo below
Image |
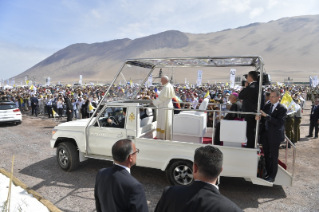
288	142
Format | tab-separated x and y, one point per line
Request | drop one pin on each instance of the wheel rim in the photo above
63	157
183	175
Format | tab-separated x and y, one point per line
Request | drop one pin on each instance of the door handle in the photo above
120	135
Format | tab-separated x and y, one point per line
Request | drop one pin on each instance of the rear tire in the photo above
67	156
180	173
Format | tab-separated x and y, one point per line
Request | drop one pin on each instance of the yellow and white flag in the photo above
289	103
91	107
206	95
54	113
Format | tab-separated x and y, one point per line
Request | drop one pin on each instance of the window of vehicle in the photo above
7	106
112	117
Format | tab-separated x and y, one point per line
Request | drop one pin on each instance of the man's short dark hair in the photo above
121	150
124	109
209	161
276	91
268	94
254	75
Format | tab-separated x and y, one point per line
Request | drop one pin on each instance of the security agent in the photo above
272	133
203	195
249	95
115	188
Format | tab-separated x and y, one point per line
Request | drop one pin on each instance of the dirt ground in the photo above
35	165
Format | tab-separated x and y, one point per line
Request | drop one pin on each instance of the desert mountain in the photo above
289	47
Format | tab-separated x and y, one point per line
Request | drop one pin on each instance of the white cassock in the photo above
164	117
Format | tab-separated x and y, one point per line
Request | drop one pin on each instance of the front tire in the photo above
180	173
67	156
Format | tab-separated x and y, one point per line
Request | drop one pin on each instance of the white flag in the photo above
232	78
199	77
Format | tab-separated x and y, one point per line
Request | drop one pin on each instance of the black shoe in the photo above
282	147
315	137
308	136
266	177
270	179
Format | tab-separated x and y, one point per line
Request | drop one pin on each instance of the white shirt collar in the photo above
127	169
252	82
275	105
209	183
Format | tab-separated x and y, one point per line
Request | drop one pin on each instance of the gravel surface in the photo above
36	165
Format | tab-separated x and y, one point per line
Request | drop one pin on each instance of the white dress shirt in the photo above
127	169
275	105
209	183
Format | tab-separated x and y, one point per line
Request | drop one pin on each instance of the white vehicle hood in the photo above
77	123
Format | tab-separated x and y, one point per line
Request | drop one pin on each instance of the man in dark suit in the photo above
203	195
272	133
69	108
34	105
314	119
249	95
115	188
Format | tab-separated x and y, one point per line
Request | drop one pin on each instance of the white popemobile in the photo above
79	140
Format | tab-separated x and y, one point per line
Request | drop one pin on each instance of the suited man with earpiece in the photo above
115	188
203	194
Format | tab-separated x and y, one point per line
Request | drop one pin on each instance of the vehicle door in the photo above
102	135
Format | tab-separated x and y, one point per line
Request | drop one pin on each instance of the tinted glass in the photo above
8	107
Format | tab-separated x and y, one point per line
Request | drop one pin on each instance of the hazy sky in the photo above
31	30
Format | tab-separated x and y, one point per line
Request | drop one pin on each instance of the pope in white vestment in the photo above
164	117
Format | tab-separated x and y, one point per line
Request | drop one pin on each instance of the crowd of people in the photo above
275	122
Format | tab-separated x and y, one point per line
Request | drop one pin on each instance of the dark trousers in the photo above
271	152
313	124
60	111
217	134
289	128
297	129
84	113
34	109
69	116
49	109
251	131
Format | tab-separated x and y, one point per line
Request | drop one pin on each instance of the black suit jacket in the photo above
249	95
276	123
199	196
234	107
116	190
34	101
68	105
314	115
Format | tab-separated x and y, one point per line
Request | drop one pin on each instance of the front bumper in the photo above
52	143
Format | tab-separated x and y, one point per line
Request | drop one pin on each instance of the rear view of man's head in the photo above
208	162
124	152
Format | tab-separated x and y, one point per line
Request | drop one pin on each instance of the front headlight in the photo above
54	131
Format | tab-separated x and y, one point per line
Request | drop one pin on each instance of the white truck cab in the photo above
79	140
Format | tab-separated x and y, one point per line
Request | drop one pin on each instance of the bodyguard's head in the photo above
274	96
124	152
252	76
208	162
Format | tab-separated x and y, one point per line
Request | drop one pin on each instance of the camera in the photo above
266	79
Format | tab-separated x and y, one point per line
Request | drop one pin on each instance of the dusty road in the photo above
36	166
